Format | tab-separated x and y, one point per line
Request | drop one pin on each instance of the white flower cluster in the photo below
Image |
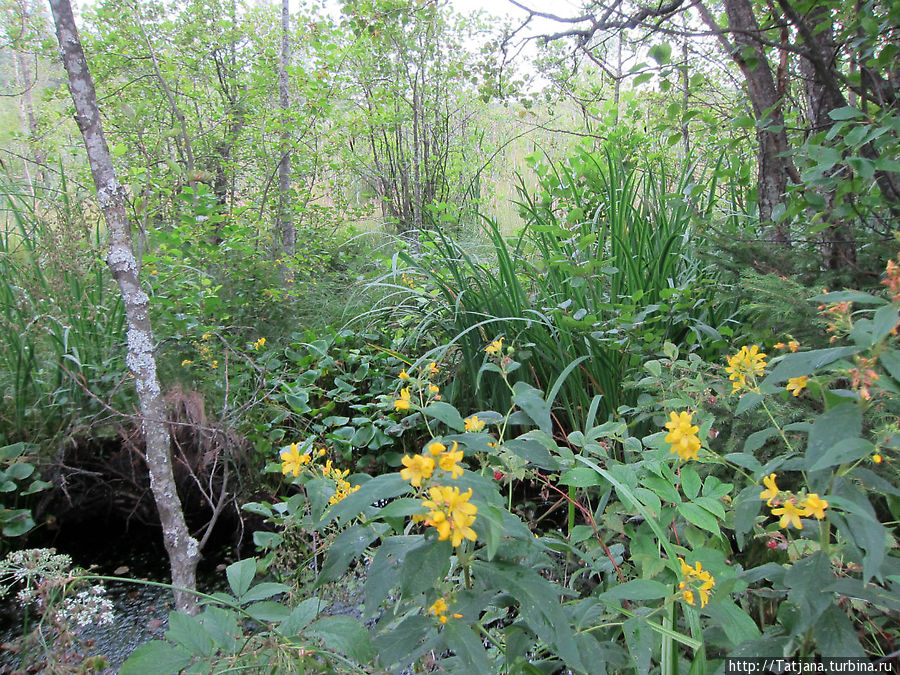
33	566
88	607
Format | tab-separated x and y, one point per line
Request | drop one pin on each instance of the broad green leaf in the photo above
446	413
386	569
268	611
883	322
806	578
466	645
16	522
638	589
835	635
344	635
580	477
19	470
748	402
301	616
531	401
758	439
806	363
240	575
385	486
424	565
188	632
841	423
405	506
640	640
738	626
263	591
663	488
347	546
533	452
845	113
157	656
661	53
696	515
690	482
847	450
222	627
406	642
890	361
857	297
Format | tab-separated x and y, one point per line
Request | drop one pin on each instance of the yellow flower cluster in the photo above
790	507
797	384
449	510
695	580
683	435
473	424
439	610
258	344
343	488
747	363
793	345
427	391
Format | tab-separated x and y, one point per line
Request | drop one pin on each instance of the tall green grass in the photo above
61	321
603	273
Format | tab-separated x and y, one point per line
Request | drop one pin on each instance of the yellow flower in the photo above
746	363
696	579
321	452
474	424
292	460
793	345
418	467
403	402
682	435
186	362
877	458
433	389
813	506
494	348
796	384
206	336
403	375
448	462
779	345
451	514
771	492
439	609
214	364
433	369
436	448
790	515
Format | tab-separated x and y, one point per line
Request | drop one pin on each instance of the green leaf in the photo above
531	401
532	452
189	633
857	297
758	439
696	515
16	522
840	423
156	656
268	611
301	617
347	546
581	476
638	589
385	486
661	53
835	635
738	626
406	642
690	483
890	361
344	635
467	646
446	413
748	402
424	565
263	591
847	450
222	626
19	471
806	363
884	321
845	113
640	641
240	575
386	569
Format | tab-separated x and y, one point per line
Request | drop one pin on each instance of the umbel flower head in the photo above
683	435
746	364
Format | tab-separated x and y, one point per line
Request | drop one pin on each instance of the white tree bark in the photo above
181	546
285	222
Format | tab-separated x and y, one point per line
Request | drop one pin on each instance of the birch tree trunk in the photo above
285	222
182	548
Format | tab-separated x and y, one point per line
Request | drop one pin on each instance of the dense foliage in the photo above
589	364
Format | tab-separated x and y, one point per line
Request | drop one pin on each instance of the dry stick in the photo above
182	548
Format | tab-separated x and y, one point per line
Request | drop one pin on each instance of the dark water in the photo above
140	611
